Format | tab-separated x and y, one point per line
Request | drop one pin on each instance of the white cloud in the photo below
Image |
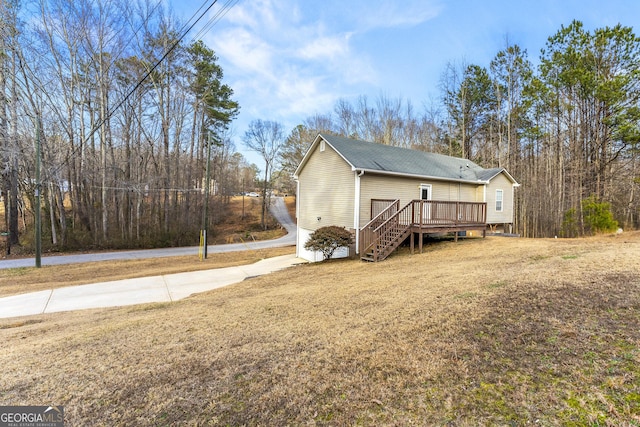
254	14
304	96
244	50
368	15
283	60
391	13
288	58
326	47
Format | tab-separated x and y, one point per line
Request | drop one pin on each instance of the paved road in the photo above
278	209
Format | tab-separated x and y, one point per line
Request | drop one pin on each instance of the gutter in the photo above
434	178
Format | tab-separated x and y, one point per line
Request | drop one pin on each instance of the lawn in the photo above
492	331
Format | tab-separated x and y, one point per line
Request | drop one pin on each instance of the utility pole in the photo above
205	214
38	218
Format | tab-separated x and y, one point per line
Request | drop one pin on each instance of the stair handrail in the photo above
395	204
375	235
394	217
367	232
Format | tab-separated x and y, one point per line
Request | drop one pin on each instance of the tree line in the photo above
568	129
123	108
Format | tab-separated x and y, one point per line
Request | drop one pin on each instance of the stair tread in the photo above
387	243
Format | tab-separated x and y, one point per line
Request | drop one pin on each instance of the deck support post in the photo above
412	242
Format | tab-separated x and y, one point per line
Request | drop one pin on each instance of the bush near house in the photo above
328	239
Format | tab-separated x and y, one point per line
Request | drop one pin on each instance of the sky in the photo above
287	60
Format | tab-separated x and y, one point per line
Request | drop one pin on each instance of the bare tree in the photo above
267	139
9	144
346	118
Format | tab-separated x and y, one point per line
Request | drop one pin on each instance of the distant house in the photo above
385	195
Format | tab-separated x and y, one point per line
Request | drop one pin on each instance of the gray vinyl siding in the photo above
327	188
500	182
375	186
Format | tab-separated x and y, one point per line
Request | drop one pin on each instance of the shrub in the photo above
328	239
597	216
569	224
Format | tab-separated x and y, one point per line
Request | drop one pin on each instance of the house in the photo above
386	194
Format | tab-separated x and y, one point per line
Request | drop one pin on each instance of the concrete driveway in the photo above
166	288
170	287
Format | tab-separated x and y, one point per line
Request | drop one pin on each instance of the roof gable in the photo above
489	174
385	159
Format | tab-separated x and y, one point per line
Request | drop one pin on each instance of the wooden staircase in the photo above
388	229
387	243
384	233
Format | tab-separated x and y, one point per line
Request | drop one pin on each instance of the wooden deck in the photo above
432	217
392	225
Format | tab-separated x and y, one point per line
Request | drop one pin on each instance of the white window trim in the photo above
428	187
500	199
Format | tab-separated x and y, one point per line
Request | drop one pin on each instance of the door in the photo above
425	194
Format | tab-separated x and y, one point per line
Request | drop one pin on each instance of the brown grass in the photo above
480	332
234	228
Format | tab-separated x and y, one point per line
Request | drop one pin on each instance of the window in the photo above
499	198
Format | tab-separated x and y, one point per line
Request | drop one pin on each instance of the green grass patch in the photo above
466	295
499	284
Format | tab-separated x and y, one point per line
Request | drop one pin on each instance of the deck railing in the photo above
440	213
424	214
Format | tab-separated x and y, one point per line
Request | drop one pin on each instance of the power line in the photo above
148	73
185	29
215	18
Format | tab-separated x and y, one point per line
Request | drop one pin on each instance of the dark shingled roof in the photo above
370	156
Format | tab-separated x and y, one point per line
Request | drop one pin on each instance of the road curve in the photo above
278	209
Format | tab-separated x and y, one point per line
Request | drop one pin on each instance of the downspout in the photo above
356	210
297	222
513	208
